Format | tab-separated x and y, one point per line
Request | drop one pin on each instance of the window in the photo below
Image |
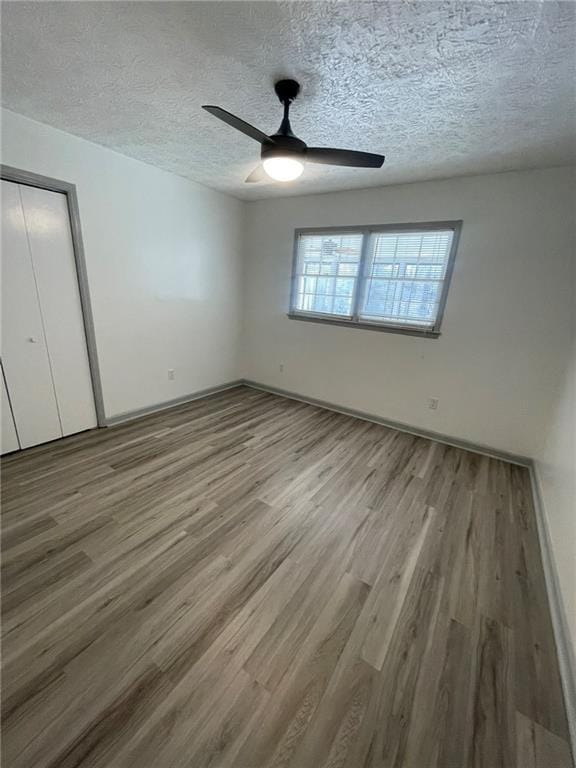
393	278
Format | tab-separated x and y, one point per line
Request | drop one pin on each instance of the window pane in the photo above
344	286
325	285
335	259
402	300
404	276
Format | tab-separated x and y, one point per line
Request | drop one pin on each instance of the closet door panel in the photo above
48	226
9	437
24	354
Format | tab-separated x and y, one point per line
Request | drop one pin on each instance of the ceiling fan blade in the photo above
348	157
258	174
236	122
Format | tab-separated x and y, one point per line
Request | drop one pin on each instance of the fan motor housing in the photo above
283	146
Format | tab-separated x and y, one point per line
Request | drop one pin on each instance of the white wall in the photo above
164	264
556	472
505	333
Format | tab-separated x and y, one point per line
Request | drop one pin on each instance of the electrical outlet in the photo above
281	367
171	374
433	403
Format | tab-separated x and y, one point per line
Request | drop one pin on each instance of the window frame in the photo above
359	287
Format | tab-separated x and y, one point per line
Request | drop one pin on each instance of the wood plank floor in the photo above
247	581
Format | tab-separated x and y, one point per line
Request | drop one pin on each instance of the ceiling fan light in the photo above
283	168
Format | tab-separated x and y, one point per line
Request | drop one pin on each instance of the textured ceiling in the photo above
441	88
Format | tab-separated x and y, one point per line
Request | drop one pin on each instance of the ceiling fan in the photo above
283	154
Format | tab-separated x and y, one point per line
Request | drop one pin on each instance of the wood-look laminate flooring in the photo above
251	581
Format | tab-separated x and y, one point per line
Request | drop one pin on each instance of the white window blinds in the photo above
385	277
327	269
404	276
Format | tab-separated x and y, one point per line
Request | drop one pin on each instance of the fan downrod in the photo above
287	90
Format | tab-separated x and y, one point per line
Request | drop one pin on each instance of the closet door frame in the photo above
56	185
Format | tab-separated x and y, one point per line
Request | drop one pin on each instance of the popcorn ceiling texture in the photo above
441	88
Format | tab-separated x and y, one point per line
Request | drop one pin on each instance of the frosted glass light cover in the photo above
283	168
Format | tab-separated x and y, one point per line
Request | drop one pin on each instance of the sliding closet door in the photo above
24	354
9	437
50	239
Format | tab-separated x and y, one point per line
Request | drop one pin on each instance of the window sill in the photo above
365	326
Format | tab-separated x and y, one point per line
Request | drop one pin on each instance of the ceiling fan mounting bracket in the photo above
287	90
